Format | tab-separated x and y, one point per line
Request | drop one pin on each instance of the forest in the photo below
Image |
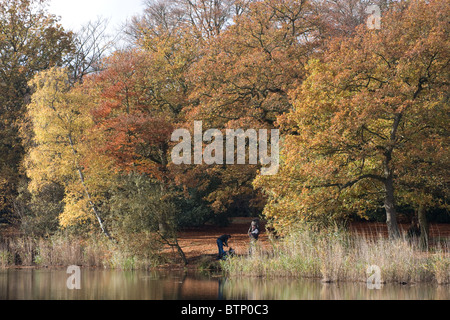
360	99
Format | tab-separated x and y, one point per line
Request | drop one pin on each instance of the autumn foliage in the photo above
363	115
369	116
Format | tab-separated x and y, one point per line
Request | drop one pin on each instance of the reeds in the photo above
62	250
335	256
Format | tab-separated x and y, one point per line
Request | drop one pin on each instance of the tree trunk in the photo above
391	212
175	245
165	225
424	227
389	201
182	254
86	190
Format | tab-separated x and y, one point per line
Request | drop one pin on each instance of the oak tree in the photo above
368	124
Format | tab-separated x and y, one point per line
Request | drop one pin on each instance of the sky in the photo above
76	13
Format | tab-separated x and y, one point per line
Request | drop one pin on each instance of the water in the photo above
51	284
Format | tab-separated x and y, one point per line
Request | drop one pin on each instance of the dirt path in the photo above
202	241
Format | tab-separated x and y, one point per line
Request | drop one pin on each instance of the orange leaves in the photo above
363	117
250	67
134	118
135	140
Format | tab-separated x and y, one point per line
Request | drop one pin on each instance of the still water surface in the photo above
51	284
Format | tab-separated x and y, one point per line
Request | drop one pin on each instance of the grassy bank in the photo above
339	256
137	252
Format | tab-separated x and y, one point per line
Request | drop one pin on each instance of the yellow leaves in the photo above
76	212
62	142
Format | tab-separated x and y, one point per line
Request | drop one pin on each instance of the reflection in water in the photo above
105	285
135	285
286	289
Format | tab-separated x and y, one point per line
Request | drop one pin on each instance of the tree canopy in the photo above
370	116
362	112
31	40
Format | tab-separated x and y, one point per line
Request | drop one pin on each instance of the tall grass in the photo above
136	252
335	256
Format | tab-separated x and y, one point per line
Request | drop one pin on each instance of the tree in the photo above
368	120
205	19
241	80
246	72
31	40
340	18
92	45
136	203
133	114
61	122
428	188
230	64
135	107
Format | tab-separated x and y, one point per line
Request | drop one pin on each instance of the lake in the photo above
51	284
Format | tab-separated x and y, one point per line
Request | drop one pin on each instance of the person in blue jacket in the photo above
221	242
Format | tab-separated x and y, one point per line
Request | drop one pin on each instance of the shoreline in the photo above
200	249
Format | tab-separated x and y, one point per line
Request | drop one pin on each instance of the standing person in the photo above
221	242
253	232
